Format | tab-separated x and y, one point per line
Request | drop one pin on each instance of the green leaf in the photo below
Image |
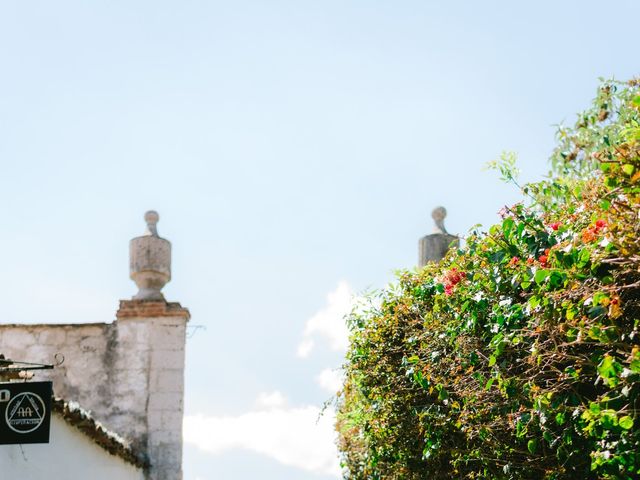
626	422
557	279
607	280
540	276
507	226
599	297
605	204
420	379
534	301
572	311
628	169
611	182
608	418
492	360
583	258
443	394
532	445
609	369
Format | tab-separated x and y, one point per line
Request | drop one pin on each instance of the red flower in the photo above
514	261
555	225
589	234
530	261
544	258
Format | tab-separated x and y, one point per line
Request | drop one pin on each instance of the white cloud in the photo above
330	379
329	321
270	400
305	347
293	436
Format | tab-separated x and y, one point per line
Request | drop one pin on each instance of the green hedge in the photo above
518	356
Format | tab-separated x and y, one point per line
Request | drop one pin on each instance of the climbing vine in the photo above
518	356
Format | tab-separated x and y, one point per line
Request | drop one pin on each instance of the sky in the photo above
294	151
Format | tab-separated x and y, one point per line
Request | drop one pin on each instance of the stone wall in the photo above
152	341
129	373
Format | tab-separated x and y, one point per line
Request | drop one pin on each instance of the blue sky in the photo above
293	149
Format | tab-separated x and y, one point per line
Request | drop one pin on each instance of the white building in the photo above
79	449
119	393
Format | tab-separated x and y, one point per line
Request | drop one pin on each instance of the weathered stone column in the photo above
151	350
433	248
151	335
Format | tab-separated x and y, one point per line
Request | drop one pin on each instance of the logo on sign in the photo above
25	412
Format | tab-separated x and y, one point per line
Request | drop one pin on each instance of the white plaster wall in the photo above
129	374
71	455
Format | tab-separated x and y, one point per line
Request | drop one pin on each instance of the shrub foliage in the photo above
518	356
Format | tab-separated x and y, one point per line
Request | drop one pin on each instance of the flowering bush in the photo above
517	357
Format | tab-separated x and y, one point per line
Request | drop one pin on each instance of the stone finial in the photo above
439	214
150	261
151	217
433	248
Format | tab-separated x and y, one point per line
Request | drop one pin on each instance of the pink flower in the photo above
555	225
451	279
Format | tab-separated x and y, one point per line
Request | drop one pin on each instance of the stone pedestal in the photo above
152	335
433	248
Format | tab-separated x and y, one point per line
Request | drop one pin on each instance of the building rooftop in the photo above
110	441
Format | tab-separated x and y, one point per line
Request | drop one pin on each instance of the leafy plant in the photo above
517	357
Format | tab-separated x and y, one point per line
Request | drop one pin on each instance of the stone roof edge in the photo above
49	325
110	441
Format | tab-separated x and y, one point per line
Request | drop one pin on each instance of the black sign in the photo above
25	412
